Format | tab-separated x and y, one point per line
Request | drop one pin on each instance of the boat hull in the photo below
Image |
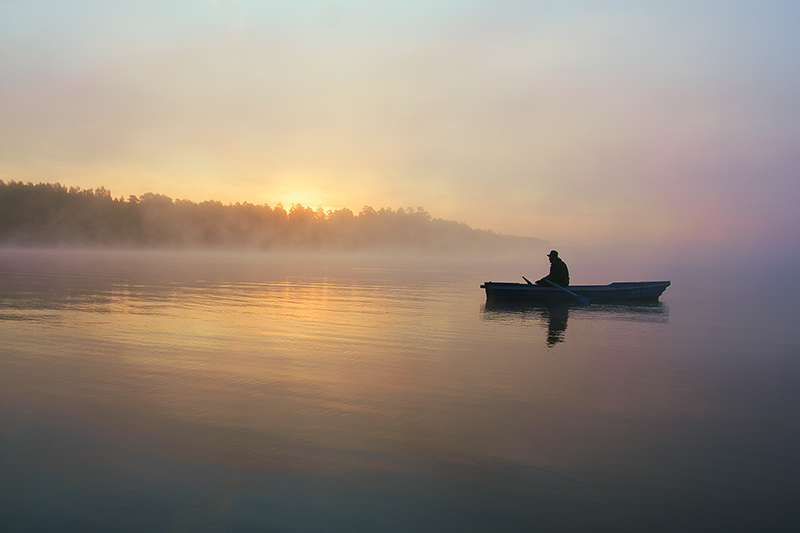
613	292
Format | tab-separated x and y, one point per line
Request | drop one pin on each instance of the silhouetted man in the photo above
559	274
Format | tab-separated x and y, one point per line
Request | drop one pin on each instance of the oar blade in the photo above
582	299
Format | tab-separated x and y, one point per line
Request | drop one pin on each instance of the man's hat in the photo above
552	253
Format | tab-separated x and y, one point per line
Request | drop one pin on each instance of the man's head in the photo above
553	255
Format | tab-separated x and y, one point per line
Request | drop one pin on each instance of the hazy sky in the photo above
577	122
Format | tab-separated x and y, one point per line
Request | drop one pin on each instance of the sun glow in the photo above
296	192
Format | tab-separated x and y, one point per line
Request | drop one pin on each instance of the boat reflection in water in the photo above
556	315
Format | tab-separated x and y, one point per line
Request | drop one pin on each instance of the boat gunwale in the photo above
616	285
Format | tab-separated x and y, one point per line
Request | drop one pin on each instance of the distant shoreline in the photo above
54	215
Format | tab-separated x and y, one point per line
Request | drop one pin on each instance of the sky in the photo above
583	123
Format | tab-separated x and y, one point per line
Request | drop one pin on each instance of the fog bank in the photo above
53	214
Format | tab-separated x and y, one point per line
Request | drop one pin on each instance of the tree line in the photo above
53	214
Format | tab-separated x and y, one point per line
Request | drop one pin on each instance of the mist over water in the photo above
146	390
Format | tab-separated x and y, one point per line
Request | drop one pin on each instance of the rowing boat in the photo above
613	292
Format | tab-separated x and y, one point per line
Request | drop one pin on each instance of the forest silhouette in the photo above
54	215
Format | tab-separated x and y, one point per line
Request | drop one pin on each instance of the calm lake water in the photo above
147	391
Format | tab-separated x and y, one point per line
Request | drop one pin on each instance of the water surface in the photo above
172	391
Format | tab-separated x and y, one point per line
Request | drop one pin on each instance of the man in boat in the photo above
559	273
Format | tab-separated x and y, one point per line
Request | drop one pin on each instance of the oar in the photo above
582	299
526	279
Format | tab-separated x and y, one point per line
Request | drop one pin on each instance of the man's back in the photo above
559	273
